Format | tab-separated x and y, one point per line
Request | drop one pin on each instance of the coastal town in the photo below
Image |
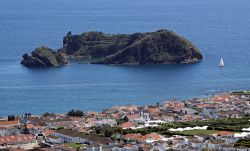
217	122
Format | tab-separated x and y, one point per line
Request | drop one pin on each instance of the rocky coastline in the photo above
44	57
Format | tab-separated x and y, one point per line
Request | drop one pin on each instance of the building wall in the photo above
69	138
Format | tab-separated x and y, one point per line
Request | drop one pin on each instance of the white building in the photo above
69	136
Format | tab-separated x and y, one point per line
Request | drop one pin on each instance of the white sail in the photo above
221	64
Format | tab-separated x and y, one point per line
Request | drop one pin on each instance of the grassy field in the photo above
74	145
198	132
214	125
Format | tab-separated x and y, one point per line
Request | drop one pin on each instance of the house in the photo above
186	110
242	148
189	117
132	117
154	111
190	148
51	122
168	118
152	137
228	147
132	137
69	136
146	147
130	147
221	98
127	125
34	129
126	147
54	139
98	140
210	112
91	122
246	111
203	137
216	145
196	144
160	146
6	123
94	148
3	131
223	135
9	127
47	132
116	115
179	142
60	148
76	137
173	105
110	122
62	122
17	139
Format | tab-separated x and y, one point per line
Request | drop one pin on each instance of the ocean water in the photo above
220	28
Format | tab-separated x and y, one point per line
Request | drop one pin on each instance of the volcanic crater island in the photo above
159	47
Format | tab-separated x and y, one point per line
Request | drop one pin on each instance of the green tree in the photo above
47	114
108	132
75	113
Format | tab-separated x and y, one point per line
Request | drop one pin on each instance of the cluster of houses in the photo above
59	131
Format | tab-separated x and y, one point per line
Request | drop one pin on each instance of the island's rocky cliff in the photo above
44	57
160	47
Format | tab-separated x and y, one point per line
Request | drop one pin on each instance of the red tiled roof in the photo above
103	115
224	133
17	139
220	98
202	106
153	136
174	104
116	115
127	125
29	126
6	123
37	126
154	110
132	136
48	132
133	116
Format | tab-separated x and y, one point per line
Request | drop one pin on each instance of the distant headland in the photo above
159	47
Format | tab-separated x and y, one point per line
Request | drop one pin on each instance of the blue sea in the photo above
220	28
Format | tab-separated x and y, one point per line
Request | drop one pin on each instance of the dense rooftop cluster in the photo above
219	122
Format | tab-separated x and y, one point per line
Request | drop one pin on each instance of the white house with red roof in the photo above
127	125
9	127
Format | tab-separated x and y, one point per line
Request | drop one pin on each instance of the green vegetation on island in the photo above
159	47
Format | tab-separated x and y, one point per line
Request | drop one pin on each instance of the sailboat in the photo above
221	64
